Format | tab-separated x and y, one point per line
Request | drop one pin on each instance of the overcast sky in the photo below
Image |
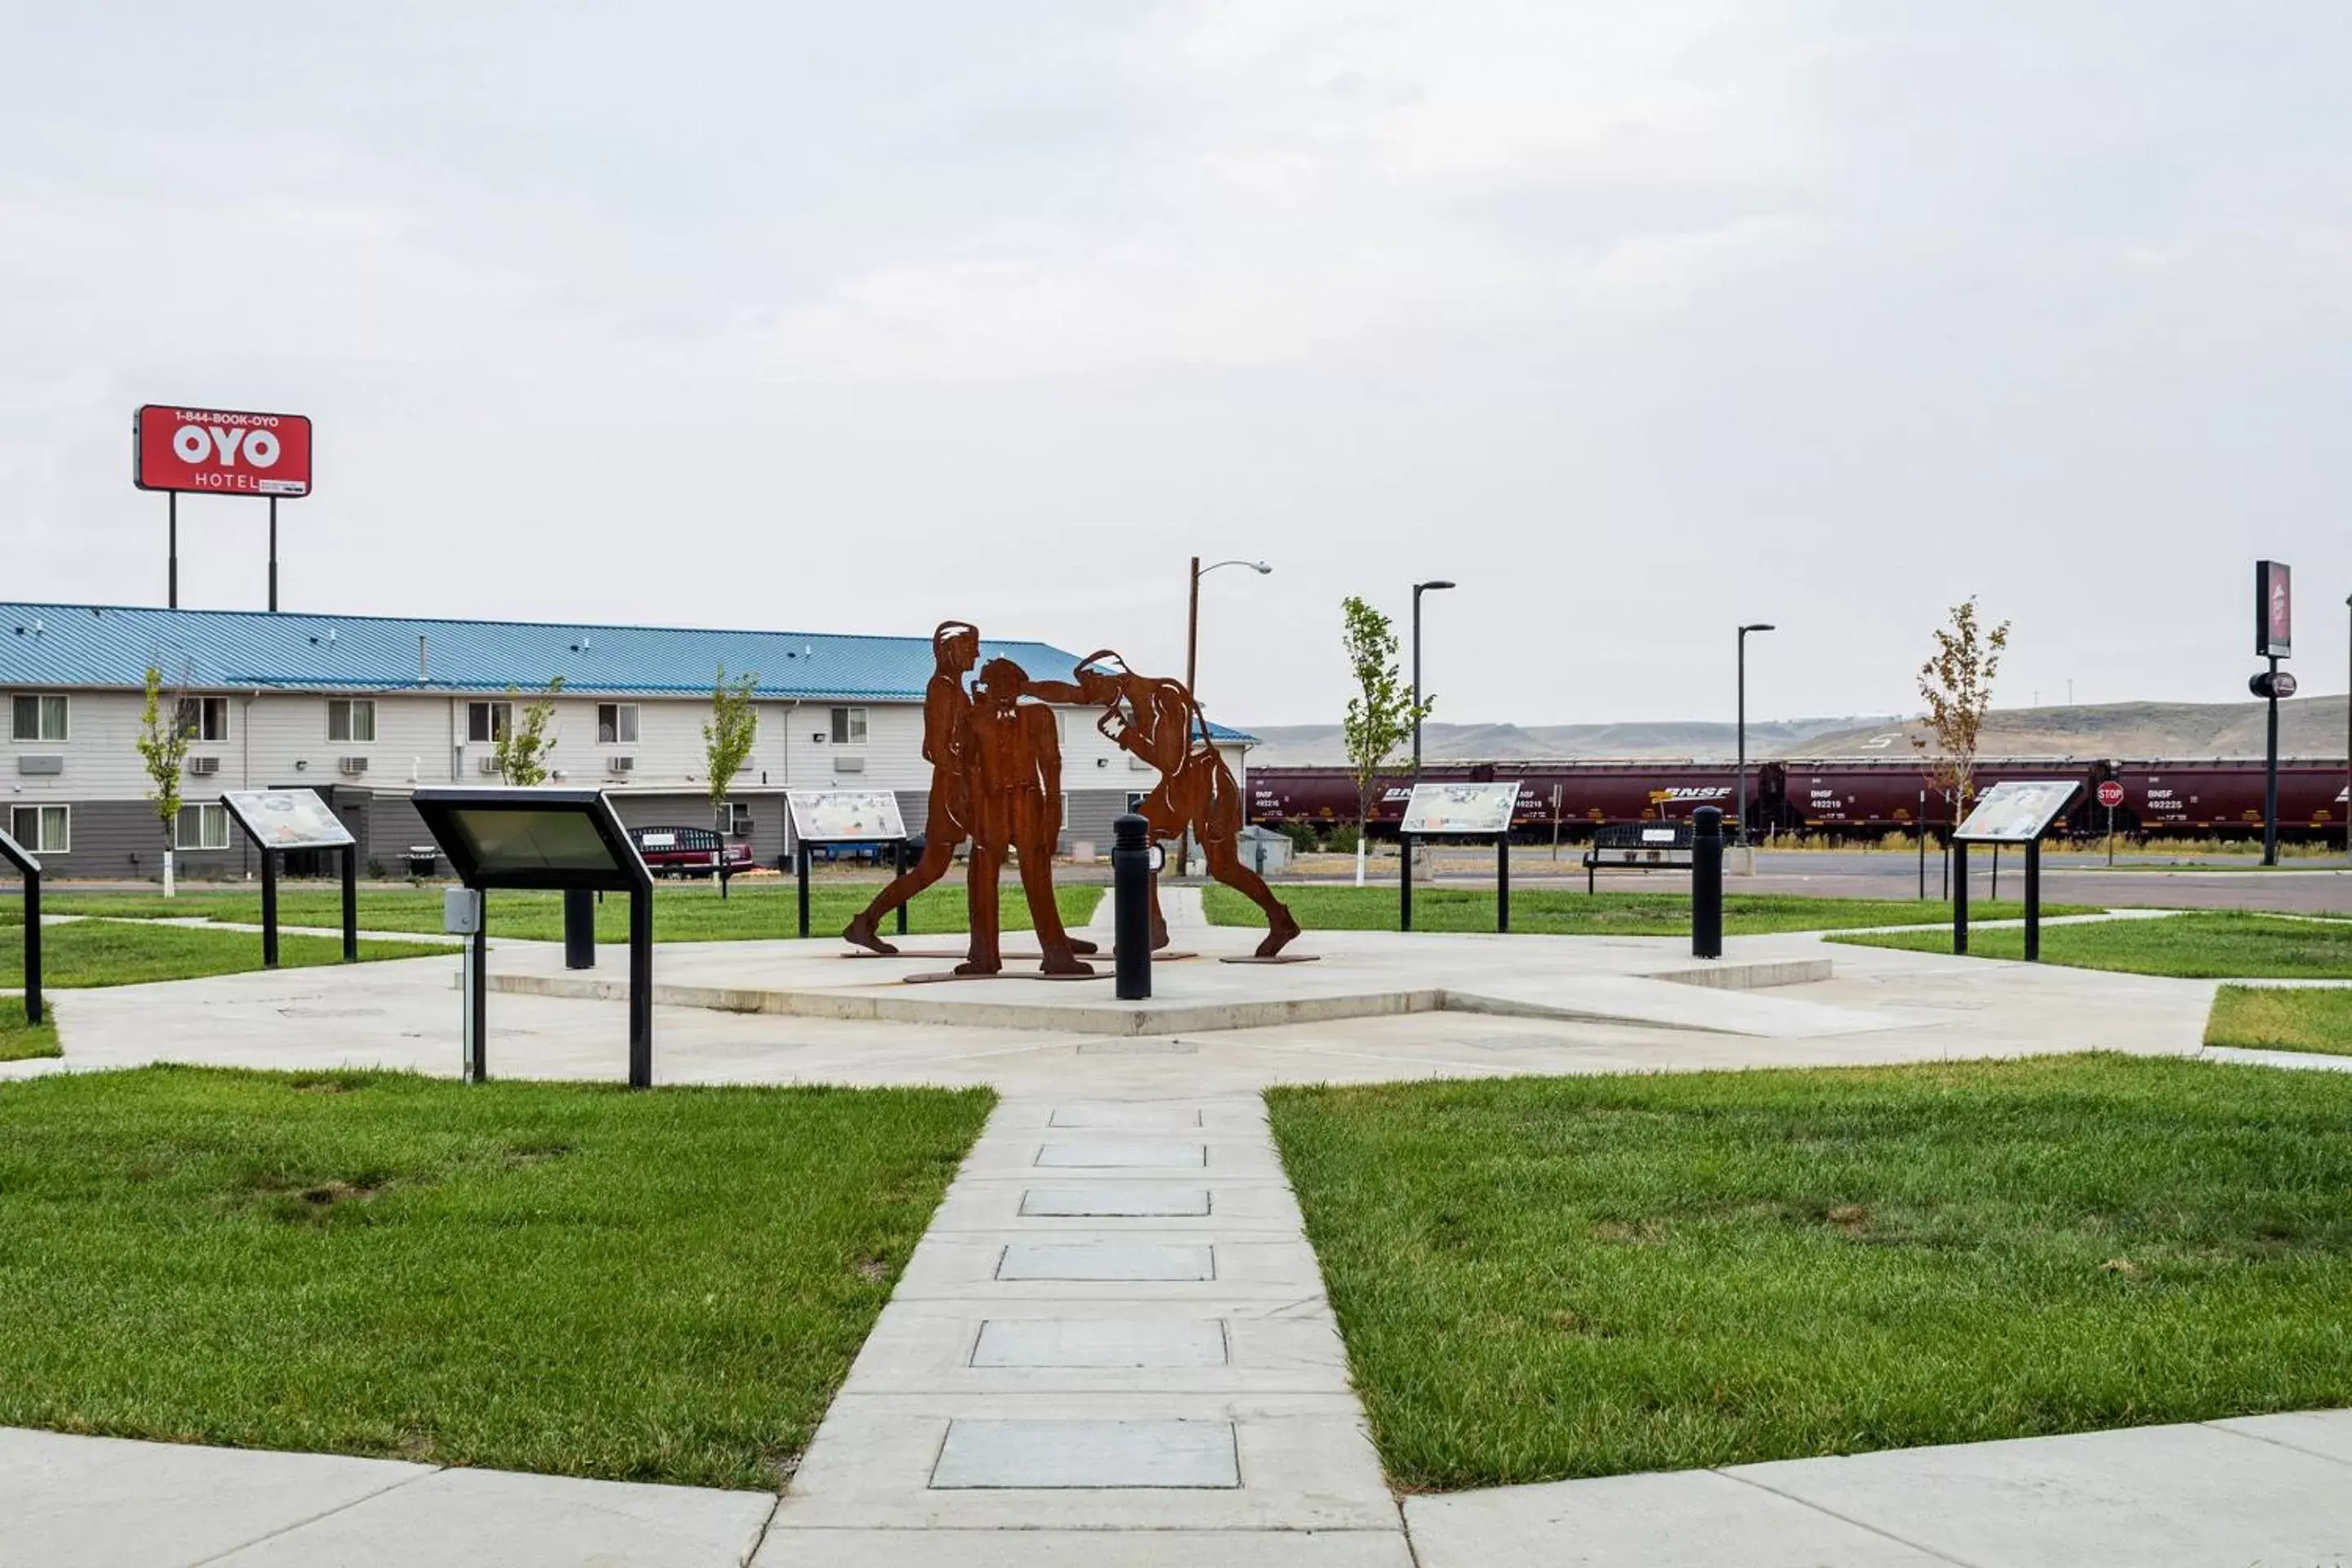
1638	319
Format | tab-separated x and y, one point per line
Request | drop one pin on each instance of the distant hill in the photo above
1307	745
2308	727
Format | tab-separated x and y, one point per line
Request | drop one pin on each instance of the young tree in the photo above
520	754
1381	714
1956	683
727	737
163	735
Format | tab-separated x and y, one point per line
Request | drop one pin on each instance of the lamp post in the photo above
1433	585
2347	760
1191	663
1746	836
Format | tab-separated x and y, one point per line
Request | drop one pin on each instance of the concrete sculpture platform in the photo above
1363	975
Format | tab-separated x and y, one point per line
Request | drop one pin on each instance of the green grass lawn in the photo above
1555	912
104	952
20	1040
2217	945
2262	1018
578	1280
1550	1277
683	912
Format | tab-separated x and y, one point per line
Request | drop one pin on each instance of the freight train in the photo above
1836	797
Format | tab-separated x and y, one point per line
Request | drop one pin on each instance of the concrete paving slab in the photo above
969	1268
1692	1519
1100	1343
69	1502
1085	1548
1063	1455
2138	1499
2326	1433
1105	1260
1114	1200
1127	1117
1269	1347
1133	1155
525	1522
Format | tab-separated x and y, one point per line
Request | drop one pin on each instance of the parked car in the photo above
690	851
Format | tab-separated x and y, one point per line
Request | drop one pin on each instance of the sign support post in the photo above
1502	883
171	586
30	869
801	859
2274	640
1404	880
351	903
1958	878
273	554
2033	902
268	907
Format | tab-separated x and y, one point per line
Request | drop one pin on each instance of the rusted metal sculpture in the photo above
1155	717
996	779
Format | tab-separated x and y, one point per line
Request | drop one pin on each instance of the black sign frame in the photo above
444	809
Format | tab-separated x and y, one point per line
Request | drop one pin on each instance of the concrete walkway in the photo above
1111	1348
2273	1490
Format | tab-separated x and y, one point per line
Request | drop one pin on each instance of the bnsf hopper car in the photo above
1847	797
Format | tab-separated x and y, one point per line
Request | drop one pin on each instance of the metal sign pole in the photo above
268	908
2270	772
898	869
172	513
477	992
1503	882
351	903
801	858
1922	824
2034	900
273	554
1404	883
1960	879
641	989
32	947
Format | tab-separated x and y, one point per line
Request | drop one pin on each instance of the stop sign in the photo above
2111	795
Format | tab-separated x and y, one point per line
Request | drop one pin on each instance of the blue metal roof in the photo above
113	645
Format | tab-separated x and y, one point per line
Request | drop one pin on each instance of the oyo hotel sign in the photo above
214	451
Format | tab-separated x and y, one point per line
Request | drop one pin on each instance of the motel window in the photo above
351	718
617	723
43	829
849	726
38	718
204	717
202	825
487	721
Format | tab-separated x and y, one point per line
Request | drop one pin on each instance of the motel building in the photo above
365	708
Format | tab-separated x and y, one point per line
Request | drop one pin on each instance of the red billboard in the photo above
2274	610
214	451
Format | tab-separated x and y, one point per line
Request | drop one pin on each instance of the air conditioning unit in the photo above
487	764
203	767
620	764
351	767
849	765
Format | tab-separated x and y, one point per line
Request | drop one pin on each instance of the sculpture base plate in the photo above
936	976
1096	957
1278	958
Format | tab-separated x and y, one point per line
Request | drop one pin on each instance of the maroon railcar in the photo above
2226	796
1575	796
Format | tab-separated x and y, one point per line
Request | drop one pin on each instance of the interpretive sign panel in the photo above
213	451
286	819
846	815
1454	808
2017	811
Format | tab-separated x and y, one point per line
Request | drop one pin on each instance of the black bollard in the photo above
898	869
579	929
1130	891
801	866
1707	882
2034	900
351	903
32	947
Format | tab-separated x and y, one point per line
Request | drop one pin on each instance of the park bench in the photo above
1637	846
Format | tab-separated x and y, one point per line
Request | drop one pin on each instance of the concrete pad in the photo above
1127	1117
1125	1155
525	1522
1105	1260
1693	1518
1085	1548
2326	1433
1100	1343
1088	1454
968	1269
1115	1200
99	1502
2152	1495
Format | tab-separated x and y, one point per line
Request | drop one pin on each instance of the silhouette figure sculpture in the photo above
1156	718
1016	805
947	741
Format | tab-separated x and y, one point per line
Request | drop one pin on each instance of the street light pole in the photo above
1434	584
1191	666
2347	758
1745	835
